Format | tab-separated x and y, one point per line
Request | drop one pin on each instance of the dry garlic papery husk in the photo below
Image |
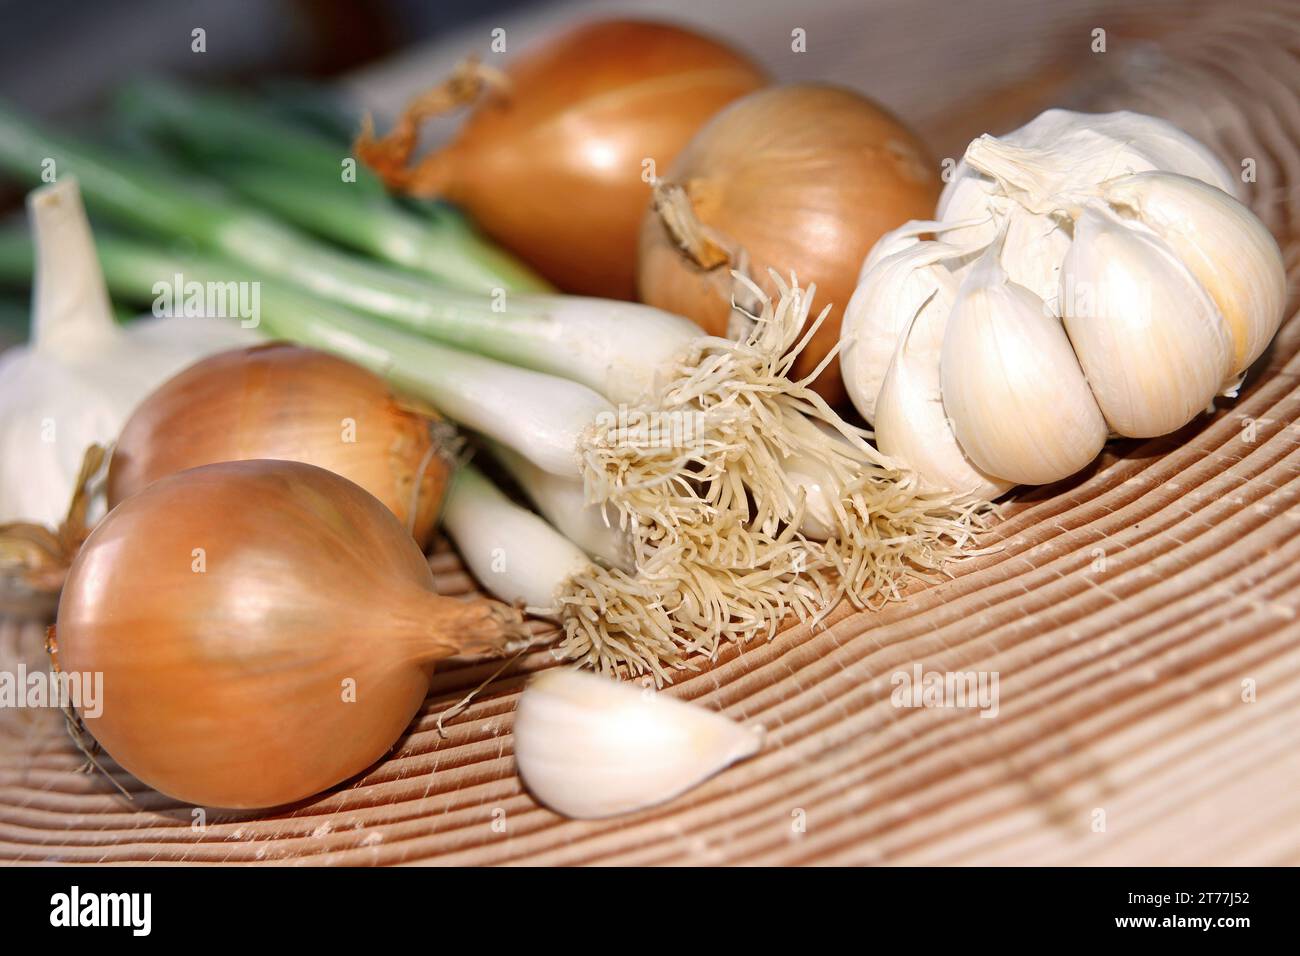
1016	177
76	382
589	747
1114	286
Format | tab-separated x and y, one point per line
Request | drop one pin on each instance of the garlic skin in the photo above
1011	384
911	234
1017	178
589	747
1061	150
83	374
1228	250
1150	339
912	426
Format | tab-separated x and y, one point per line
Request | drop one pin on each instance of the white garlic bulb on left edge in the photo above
589	747
83	374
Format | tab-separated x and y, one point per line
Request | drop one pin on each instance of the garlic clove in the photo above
1011	384
590	747
1222	243
879	311
1149	337
911	424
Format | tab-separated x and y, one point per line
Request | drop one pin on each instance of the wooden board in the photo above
1127	614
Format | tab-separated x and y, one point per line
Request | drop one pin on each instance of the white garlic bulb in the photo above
83	374
590	747
1120	286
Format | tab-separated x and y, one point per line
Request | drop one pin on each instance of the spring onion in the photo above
313	183
563	502
719	578
682	599
146	195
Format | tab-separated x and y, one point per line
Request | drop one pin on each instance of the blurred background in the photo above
59	56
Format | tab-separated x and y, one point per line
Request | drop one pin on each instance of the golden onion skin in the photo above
265	630
554	169
804	179
284	401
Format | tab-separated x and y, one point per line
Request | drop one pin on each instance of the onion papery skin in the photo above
553	170
803	179
284	401
228	686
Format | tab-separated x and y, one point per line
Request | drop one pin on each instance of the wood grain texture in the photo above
1122	612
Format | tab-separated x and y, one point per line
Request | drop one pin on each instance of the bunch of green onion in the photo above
773	505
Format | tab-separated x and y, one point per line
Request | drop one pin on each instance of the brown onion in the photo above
265	630
551	163
285	401
800	179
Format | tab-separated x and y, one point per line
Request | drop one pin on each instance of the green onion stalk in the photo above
314	183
